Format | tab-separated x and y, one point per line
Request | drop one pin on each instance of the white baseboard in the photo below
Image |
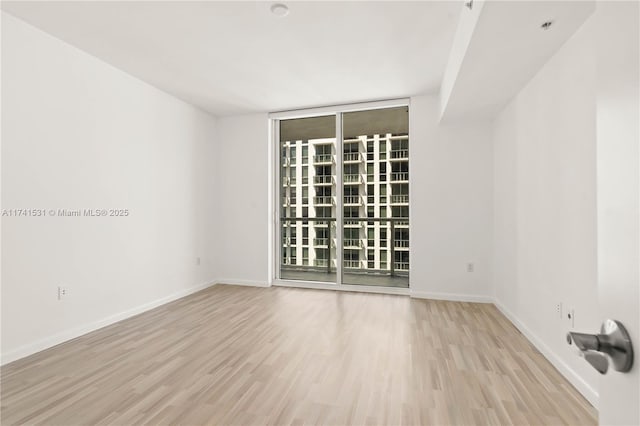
454	297
48	342
578	382
248	283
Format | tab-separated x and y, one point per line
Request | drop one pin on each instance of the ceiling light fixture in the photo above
280	10
545	26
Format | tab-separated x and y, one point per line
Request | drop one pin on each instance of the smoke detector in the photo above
280	10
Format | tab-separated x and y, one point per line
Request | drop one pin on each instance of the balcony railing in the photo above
399	154
320	241
399	199
323	200
323	180
401	243
321	262
352	178
350	157
401	266
352	199
399	176
352	264
285	181
395	242
351	242
323	158
352	223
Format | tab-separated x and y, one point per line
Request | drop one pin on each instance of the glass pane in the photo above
307	195
376	197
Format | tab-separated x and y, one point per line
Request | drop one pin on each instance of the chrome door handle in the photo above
613	343
598	360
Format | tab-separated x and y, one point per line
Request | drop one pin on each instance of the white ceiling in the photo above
236	57
507	49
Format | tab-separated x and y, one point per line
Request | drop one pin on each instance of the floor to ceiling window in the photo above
308	198
343	194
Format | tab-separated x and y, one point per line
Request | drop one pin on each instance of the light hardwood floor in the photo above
245	356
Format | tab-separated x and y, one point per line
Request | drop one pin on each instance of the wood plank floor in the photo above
254	356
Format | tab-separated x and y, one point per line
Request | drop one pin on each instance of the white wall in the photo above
451	205
242	171
545	206
78	133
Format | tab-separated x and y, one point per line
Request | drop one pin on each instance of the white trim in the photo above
247	283
343	287
331	110
339	202
574	378
337	111
453	297
275	248
48	342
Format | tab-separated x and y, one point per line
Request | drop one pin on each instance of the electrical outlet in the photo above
470	267
198	261
62	292
559	310
571	317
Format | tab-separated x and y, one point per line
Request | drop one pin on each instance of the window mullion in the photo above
278	204
339	200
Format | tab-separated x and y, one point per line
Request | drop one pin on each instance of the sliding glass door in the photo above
375	143
353	206
308	198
